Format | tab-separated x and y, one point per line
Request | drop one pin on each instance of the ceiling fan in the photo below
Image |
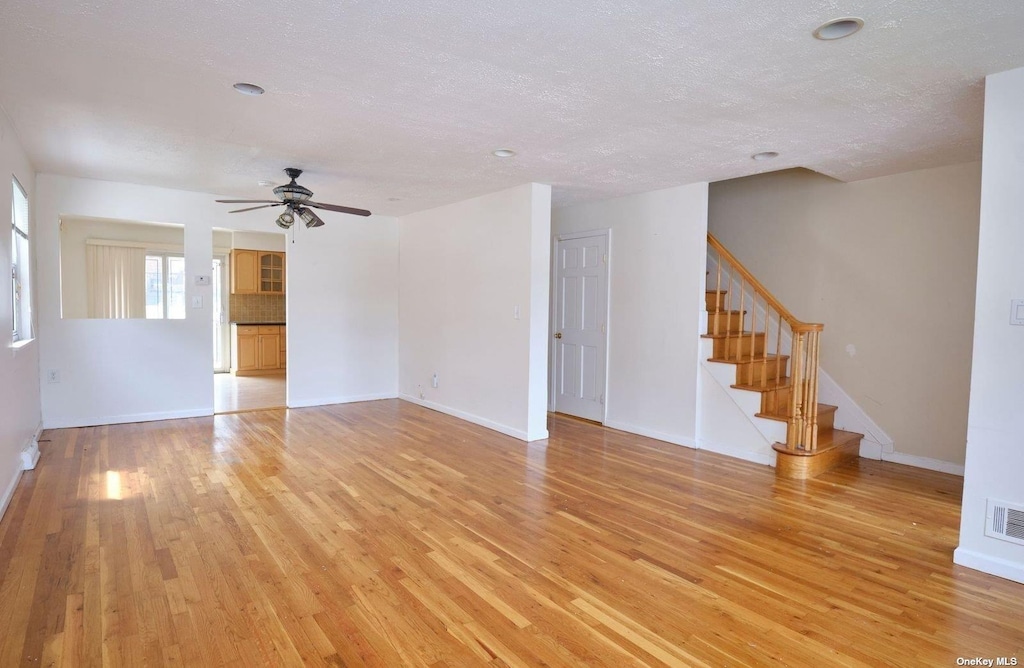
296	200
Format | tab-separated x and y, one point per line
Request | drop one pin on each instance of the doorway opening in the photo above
249	324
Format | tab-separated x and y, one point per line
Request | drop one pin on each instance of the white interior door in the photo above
581	325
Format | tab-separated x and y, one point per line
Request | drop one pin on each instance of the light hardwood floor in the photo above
247	393
386	534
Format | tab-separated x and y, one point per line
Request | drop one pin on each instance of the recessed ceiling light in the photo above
248	89
765	155
504	153
838	28
394	199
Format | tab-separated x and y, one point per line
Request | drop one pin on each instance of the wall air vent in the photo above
1005	521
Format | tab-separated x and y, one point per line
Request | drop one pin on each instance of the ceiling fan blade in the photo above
253	208
248	201
339	209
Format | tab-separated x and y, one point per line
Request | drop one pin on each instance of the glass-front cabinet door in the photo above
272	273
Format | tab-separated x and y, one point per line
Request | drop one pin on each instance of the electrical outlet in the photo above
53	376
433	382
1017	311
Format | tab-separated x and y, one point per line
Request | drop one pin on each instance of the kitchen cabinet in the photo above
284	357
244	272
257	349
271	273
257	272
269	343
245	350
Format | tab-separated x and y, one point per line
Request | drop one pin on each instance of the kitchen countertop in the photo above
237	322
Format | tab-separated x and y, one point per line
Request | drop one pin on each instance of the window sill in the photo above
18	345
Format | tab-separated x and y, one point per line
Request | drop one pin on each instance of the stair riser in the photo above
714	301
732	322
737	347
772	400
753	372
826	421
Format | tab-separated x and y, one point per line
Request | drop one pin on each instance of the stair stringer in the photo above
728	424
876	443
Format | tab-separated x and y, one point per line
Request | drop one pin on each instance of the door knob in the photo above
558	335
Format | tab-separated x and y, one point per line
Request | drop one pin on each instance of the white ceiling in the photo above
384	99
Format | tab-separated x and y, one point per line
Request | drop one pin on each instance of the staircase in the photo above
775	355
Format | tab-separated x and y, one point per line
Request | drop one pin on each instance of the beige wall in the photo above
889	266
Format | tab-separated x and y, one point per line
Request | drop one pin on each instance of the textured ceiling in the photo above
381	99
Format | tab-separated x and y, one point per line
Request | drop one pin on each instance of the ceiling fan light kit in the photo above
285	220
296	199
308	217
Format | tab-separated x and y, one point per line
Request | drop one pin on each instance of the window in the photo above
165	285
20	263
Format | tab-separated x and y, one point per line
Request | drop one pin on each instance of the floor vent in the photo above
1005	521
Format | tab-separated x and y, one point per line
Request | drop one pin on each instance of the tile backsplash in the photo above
256	308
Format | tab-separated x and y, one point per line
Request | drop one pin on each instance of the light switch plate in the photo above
1017	311
202	280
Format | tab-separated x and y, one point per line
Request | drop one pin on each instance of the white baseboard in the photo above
766	458
327	401
923	463
651	433
65	423
1010	570
475	419
871	450
8	492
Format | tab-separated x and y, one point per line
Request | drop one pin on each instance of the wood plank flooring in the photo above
385	534
232	394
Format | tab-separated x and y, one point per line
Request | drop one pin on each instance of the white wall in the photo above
264	241
657	258
19	366
342	311
126	370
888	265
464	269
995	427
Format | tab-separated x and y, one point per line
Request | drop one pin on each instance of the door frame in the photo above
225	296
553	315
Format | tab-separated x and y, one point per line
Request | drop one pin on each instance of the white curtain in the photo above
116	281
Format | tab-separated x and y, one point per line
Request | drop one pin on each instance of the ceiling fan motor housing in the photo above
293	192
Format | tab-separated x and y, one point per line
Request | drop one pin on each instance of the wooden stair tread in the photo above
737	312
781	417
770	384
747	359
831	439
731	335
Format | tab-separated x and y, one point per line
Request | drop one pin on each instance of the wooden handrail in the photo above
796	325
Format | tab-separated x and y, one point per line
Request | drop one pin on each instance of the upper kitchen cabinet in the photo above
244	272
257	272
271	273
